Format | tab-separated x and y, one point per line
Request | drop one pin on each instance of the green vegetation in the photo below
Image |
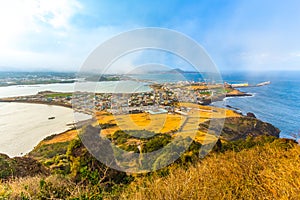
58	95
107	125
267	171
46	151
239	128
91	77
227	90
157	142
205	93
251	142
264	167
19	167
5	168
149	140
249	161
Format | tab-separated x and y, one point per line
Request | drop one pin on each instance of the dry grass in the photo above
51	187
160	123
271	171
104	117
110	130
63	137
259	173
164	123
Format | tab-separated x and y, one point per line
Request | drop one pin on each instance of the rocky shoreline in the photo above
237	93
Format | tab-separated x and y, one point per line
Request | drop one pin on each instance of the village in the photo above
163	98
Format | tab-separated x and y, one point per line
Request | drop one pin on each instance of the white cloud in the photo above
41	21
41	33
294	54
57	13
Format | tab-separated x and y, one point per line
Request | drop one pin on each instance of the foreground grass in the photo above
51	187
266	168
263	172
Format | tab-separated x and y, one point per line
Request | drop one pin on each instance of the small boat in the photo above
51	118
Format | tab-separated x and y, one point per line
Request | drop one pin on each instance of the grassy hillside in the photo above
269	171
248	162
256	168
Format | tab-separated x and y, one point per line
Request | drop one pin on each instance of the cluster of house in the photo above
159	100
162	98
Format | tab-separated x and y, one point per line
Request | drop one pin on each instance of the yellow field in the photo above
160	123
105	117
198	136
201	87
196	87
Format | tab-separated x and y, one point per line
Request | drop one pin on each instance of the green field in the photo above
61	95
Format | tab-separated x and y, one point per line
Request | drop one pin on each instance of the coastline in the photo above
222	103
26	129
238	95
3	100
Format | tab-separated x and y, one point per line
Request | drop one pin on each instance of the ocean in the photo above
277	103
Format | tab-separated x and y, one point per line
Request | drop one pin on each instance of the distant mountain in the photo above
175	71
178	71
161	71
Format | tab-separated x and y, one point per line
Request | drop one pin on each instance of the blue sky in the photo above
237	34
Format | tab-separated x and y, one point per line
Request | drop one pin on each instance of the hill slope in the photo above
270	171
248	162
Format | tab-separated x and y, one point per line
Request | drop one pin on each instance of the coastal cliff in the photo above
236	128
